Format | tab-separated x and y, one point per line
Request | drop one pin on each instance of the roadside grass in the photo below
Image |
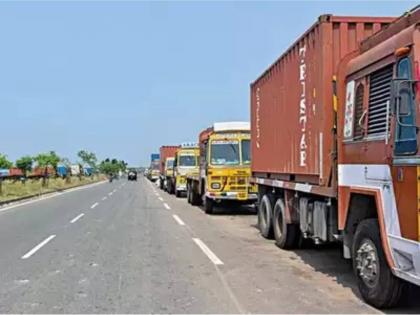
12	189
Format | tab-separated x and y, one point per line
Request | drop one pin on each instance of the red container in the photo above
292	108
165	152
15	172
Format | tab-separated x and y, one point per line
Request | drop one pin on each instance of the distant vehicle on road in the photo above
132	175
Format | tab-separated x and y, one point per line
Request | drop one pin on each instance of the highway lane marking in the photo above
77	218
94	205
104	198
212	256
166	206
178	219
110	194
48	196
114	191
38	247
160	198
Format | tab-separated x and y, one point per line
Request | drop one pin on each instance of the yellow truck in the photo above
224	167
168	173
186	164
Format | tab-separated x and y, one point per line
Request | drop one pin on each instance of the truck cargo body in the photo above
292	110
335	147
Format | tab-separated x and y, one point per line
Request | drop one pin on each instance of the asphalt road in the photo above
127	247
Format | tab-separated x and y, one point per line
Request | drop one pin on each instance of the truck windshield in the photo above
224	152
246	152
169	163
187	160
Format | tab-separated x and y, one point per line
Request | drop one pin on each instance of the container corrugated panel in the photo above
165	152
292	115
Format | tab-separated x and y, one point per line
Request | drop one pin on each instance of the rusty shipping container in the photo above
292	102
165	152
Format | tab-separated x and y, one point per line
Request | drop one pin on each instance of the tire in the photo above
382	289
189	194
265	217
195	198
286	235
177	193
208	205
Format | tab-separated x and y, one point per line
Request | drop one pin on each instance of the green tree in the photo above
47	159
4	162
25	164
88	158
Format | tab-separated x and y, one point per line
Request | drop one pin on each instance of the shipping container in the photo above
166	151
292	107
4	172
154	157
15	172
75	169
62	170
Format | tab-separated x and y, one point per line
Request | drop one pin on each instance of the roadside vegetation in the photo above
48	172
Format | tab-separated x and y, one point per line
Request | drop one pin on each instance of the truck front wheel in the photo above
377	285
286	235
208	205
265	217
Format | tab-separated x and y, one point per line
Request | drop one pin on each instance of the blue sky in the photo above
122	78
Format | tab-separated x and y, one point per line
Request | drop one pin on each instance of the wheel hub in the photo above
367	263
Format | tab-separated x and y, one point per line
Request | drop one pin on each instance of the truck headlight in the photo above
215	185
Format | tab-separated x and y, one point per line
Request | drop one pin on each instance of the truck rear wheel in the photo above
208	205
286	235
377	285
177	193
265	217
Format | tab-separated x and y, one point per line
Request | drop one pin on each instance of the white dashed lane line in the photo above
94	205
166	206
160	198
104	198
77	218
38	247
212	256
110	194
178	219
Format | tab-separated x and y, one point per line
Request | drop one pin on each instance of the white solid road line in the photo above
104	198
178	219
37	247
94	205
166	206
212	256
77	218
160	198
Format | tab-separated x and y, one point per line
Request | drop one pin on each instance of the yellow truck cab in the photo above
169	172
224	166
186	164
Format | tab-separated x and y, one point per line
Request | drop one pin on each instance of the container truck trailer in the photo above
224	166
166	151
186	164
335	147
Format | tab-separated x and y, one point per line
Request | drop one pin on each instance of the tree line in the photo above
52	159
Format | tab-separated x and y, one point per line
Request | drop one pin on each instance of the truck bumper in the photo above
406	258
181	187
231	195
